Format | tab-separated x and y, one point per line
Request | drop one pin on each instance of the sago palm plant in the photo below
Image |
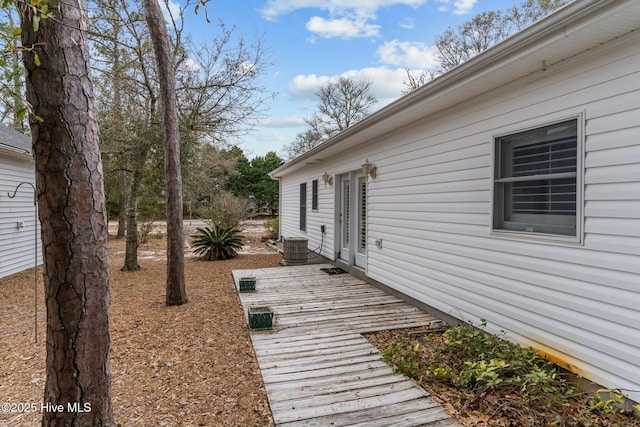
217	243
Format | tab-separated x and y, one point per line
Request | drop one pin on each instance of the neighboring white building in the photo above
19	237
507	189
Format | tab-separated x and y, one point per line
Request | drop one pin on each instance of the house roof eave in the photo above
553	39
15	152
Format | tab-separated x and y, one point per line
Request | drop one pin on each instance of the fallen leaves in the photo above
171	366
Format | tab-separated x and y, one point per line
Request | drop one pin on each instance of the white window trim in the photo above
537	237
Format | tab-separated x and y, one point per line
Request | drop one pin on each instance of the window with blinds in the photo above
535	185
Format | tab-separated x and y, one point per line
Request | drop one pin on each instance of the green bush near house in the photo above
217	243
489	375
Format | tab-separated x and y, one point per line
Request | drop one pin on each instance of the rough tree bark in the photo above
131	248
176	293
72	213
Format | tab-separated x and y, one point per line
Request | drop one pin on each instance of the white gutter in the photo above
18	152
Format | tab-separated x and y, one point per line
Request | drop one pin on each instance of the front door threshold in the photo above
351	268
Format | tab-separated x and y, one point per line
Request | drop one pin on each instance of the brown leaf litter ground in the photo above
171	366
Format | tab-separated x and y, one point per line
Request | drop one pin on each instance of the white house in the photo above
507	189
19	227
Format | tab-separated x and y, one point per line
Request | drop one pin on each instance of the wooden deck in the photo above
317	368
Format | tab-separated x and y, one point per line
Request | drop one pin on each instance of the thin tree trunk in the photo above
122	200
117	100
73	216
176	293
131	246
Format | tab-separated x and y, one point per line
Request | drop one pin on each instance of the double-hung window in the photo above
536	181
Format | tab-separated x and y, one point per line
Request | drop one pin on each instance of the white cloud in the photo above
347	18
386	83
342	27
407	23
190	66
271	136
282	122
275	8
407	54
306	86
460	7
272	133
173	7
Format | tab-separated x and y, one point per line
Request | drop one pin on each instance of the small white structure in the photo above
507	189
19	229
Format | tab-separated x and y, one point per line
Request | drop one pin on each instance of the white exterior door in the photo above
352	219
360	218
344	218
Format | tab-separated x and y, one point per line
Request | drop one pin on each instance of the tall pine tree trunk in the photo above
117	107
176	293
72	213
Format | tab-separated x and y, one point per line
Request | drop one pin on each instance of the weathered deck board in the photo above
317	367
411	413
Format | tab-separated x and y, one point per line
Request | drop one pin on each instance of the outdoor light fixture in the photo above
328	179
369	169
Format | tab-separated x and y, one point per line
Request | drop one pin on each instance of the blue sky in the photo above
313	41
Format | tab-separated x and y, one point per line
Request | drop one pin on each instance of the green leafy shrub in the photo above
404	358
486	377
489	373
483	363
217	243
273	227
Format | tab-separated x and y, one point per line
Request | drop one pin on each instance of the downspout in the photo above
279	208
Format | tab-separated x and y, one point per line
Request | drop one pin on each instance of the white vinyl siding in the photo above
17	246
431	207
324	215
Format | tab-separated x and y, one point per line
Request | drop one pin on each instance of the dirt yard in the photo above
191	365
